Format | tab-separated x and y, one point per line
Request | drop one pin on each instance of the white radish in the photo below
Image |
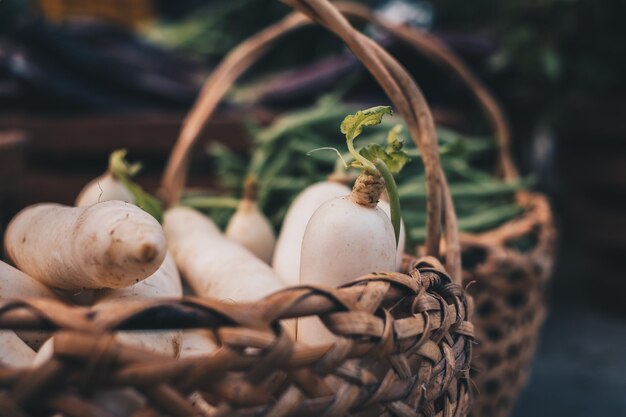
346	237
45	353
107	245
401	238
104	188
108	186
250	227
213	265
14	353
16	284
197	343
164	283
286	261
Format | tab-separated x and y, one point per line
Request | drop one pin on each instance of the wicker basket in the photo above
508	283
404	341
507	280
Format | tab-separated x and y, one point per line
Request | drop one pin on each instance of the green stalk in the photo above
394	198
208	202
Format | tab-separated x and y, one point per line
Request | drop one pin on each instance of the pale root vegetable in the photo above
104	188
402	237
213	265
107	245
346	237
108	186
45	352
16	284
164	283
250	227
197	343
14	353
286	261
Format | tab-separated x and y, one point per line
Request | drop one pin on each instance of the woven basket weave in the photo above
404	341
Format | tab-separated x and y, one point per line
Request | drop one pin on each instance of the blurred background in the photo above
81	78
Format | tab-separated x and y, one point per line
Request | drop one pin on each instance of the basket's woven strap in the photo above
363	294
429	345
438	51
401	89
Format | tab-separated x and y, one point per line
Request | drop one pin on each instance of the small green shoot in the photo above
123	171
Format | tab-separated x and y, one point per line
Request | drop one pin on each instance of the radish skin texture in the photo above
14	353
401	238
252	230
286	261
104	188
164	283
107	245
197	343
213	265
45	353
342	241
16	284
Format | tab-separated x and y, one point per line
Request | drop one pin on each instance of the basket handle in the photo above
442	54
395	81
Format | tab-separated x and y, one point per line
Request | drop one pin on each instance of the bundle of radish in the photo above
116	184
351	234
106	245
249	227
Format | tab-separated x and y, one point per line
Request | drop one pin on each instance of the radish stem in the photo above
205	202
394	198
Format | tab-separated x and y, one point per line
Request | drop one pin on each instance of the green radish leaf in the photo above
353	124
394	141
123	171
120	167
395	160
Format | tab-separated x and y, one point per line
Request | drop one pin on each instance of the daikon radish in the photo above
107	245
401	238
164	283
16	284
45	352
197	343
14	353
286	261
213	265
249	227
117	184
110	186
351	236
348	237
